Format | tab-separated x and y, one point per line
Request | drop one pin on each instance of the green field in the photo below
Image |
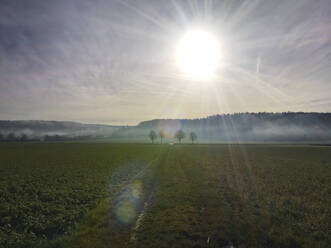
139	195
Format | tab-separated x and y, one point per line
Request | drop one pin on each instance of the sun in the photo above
198	54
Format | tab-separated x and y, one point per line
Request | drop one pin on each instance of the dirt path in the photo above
150	186
116	222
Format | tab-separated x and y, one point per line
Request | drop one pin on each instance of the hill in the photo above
37	128
250	127
239	127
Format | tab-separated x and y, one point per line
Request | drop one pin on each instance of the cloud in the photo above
65	59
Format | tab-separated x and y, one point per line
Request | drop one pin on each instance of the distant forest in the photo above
239	127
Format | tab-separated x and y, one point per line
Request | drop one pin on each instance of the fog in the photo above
241	127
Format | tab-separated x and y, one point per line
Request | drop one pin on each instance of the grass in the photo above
91	195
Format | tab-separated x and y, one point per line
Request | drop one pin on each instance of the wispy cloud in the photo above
114	61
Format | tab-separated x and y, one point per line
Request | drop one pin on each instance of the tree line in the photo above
179	135
12	137
15	137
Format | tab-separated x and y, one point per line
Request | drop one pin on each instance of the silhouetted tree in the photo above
180	134
152	136
193	136
162	135
11	137
24	137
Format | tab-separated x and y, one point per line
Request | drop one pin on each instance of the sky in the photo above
114	62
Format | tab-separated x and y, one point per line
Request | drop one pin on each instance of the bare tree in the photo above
24	137
11	137
161	135
180	134
193	136
152	136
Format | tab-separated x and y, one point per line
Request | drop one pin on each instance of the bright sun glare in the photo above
198	54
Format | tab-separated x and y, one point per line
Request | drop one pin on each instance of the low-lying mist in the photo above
241	127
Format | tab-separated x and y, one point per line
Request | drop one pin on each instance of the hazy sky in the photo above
114	61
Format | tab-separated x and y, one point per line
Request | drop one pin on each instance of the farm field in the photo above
141	195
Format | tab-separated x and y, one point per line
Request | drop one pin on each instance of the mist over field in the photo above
250	127
36	128
230	128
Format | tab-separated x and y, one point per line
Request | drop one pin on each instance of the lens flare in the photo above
170	127
129	203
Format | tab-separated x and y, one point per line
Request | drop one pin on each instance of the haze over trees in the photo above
152	136
161	135
253	127
39	128
180	134
11	137
193	136
24	137
231	128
